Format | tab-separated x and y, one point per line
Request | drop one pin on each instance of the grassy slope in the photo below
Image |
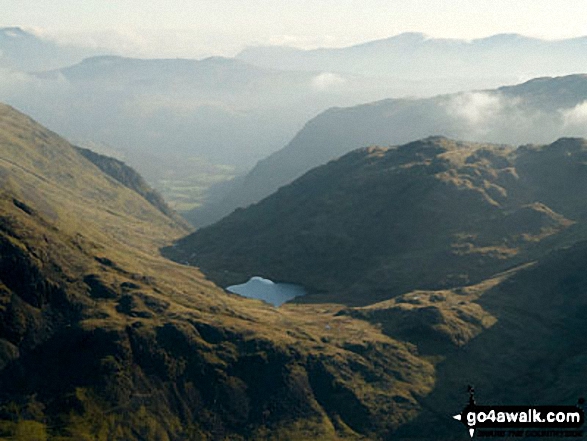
101	338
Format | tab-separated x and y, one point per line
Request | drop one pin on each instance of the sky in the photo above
194	28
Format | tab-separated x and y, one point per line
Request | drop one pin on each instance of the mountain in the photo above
183	124
432	214
412	55
473	253
212	108
23	51
537	111
128	177
102	338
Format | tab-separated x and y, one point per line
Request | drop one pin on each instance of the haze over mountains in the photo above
219	115
22	51
417	56
538	111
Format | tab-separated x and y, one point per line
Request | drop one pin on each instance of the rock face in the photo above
379	222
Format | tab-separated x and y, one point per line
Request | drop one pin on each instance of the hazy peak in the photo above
506	39
14	32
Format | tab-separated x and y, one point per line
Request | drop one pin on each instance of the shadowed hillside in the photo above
378	222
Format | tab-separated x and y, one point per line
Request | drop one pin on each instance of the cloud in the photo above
476	109
13	82
576	116
302	41
500	118
327	81
168	43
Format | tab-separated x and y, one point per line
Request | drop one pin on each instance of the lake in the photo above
268	291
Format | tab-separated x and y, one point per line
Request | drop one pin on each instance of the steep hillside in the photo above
538	111
128	177
382	221
101	338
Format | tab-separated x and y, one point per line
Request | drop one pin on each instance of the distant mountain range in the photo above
538	111
158	113
223	115
23	51
417	56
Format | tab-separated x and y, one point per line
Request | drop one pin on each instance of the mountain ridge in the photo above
543	109
23	50
357	227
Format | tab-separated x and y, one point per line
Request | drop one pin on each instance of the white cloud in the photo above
167	43
577	116
475	108
327	81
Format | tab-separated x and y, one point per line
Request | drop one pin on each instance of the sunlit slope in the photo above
101	338
53	178
378	222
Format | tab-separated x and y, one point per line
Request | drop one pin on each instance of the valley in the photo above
86	295
288	242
